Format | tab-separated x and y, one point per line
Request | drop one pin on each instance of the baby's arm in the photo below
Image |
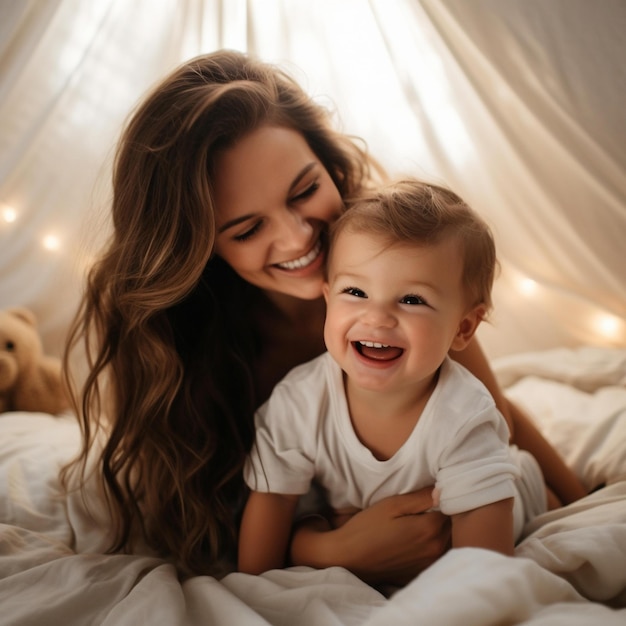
265	531
489	526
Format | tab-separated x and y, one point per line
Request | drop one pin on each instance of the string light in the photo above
9	214
602	324
527	286
51	242
607	325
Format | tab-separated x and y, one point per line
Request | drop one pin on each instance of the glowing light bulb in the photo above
527	286
607	325
9	214
51	242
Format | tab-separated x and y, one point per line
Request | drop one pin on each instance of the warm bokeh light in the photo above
9	214
51	242
608	325
528	286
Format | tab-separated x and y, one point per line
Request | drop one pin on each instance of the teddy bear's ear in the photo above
26	315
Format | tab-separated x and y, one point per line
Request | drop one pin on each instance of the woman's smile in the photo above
312	260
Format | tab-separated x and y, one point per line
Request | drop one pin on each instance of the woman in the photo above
225	181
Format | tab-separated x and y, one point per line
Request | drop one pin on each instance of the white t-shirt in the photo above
459	444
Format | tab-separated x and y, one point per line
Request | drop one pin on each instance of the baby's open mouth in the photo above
303	261
377	351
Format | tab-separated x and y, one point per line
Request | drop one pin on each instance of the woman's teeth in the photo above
303	261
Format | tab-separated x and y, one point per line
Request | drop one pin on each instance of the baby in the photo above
385	410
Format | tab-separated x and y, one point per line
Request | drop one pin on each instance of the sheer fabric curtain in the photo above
516	104
542	88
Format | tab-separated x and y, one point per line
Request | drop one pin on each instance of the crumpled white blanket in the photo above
569	569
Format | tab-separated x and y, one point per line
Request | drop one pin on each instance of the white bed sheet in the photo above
570	569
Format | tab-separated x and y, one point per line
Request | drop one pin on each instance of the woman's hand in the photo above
391	542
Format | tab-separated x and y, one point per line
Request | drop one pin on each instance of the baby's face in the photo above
394	312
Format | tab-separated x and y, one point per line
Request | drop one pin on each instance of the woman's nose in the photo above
293	231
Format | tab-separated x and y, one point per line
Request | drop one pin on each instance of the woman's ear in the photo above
467	327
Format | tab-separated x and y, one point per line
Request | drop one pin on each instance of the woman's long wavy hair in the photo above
168	327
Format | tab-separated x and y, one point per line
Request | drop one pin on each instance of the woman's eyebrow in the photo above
243	218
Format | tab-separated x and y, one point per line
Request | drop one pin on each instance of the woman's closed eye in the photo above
253	230
307	193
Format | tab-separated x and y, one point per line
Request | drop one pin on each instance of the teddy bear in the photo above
29	379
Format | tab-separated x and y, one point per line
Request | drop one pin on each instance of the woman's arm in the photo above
390	542
265	530
489	527
558	476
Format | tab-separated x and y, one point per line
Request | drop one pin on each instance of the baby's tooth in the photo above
373	344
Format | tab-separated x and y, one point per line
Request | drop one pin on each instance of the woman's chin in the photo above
308	290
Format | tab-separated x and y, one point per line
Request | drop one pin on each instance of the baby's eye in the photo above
9	345
411	299
249	233
309	191
354	291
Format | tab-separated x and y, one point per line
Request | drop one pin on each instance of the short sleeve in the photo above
476	468
278	461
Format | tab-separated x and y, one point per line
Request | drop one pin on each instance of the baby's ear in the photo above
325	291
467	327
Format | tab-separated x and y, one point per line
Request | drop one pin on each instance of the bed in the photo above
570	568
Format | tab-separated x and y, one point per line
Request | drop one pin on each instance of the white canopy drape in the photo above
516	104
